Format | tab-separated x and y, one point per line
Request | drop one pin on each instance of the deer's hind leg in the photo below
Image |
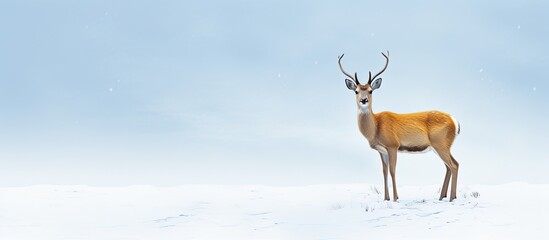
444	190
452	167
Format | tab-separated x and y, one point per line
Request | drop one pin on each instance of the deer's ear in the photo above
350	84
376	84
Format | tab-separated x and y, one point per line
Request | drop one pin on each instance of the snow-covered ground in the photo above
509	211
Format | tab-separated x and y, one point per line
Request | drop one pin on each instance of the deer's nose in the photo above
363	100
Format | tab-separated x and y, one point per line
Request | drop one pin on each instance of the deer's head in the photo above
364	91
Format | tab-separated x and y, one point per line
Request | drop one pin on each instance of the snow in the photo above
344	211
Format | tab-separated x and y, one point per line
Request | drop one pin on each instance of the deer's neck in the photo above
367	125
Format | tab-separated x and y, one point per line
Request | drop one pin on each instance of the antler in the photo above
382	70
355	78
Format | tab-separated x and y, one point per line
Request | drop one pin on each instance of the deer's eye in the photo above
370	91
356	92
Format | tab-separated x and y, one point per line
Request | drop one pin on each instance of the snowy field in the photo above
509	211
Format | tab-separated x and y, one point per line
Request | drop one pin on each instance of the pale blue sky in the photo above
248	92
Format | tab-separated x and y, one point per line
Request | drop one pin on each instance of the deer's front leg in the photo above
385	162
392	152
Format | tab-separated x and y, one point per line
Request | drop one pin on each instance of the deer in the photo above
389	133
